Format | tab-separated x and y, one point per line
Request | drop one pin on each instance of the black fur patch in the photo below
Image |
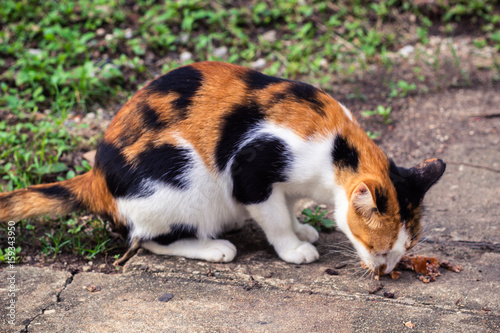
344	154
177	231
256	167
119	175
186	81
381	199
150	117
165	163
309	94
235	126
256	80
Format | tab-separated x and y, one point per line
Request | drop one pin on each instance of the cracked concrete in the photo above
260	293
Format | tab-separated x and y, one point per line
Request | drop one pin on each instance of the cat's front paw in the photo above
219	250
303	254
307	233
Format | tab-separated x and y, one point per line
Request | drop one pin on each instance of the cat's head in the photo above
384	214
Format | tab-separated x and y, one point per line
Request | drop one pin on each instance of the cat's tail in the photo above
87	191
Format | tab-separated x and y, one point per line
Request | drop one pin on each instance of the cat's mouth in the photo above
380	269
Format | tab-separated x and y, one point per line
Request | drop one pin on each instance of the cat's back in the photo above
212	106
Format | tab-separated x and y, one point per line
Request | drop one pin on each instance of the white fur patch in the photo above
398	250
206	204
346	111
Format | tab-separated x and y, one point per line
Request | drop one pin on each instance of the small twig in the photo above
472	165
484	115
376	288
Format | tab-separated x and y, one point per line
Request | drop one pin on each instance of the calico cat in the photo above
206	146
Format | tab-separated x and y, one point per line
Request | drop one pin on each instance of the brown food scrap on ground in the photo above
93	288
409	324
425	279
427	266
421	264
450	267
395	275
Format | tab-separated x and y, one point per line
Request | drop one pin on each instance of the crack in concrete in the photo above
66	284
484	246
58	300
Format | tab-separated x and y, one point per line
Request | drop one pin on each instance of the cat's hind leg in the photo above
215	250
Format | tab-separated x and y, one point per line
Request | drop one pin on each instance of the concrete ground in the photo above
260	293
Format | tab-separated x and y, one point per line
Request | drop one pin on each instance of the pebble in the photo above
269	36
128	33
90	115
406	50
220	52
165	297
388	295
330	271
185	56
259	63
184	38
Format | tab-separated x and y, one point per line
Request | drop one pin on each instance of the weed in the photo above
317	219
401	89
463	72
381	110
6	255
53	243
373	135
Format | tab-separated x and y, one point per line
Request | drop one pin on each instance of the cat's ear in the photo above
418	179
362	200
427	174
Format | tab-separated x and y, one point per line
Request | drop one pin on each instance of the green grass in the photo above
64	58
81	235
